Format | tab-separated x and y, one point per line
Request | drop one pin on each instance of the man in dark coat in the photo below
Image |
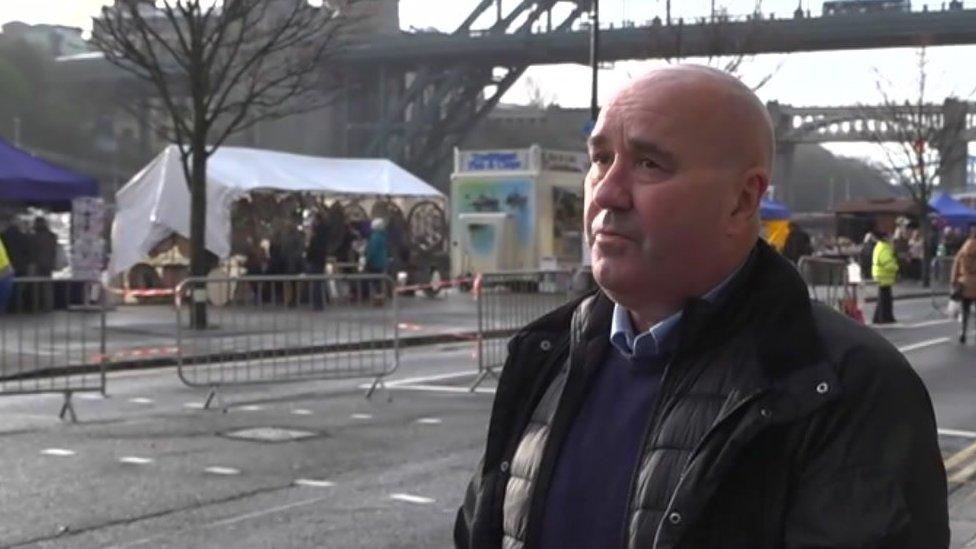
316	253
698	399
797	244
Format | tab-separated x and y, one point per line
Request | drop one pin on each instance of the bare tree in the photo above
217	68
911	135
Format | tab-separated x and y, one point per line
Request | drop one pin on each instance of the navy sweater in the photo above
586	505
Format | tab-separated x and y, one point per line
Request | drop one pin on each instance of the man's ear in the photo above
745	212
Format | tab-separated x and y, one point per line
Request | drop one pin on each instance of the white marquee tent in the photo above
156	202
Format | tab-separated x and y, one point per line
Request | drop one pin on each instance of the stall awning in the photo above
25	178
951	210
770	209
156	202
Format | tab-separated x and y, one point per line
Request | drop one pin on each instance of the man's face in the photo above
658	194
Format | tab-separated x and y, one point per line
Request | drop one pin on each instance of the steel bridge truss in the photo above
440	104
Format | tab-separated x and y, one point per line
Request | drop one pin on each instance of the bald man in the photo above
698	399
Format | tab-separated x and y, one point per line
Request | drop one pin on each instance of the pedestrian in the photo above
286	252
884	270
699	399
316	253
964	278
866	255
6	278
44	250
916	251
377	256
797	244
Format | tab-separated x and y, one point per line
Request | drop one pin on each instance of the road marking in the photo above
314	483
57	452
410	498
90	396
217	470
301	412
429	421
923	324
361	416
250	408
924	344
964	474
439	377
957	433
135	460
143	401
445	389
959	457
193	405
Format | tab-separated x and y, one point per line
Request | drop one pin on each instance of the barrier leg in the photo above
68	408
378	383
488	371
214	395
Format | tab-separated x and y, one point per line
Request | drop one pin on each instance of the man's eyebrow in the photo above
649	147
596	141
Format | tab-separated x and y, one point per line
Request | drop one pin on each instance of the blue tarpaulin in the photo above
769	210
24	178
952	211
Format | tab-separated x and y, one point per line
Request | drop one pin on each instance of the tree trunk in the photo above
198	230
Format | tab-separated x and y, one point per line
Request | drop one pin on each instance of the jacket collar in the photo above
766	304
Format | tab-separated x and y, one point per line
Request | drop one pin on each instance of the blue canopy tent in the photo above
952	211
26	179
769	210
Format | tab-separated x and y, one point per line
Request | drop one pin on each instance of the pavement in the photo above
314	463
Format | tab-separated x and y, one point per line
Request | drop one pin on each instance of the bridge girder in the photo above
441	104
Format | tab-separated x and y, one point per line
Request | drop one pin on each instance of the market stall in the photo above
952	212
153	208
516	209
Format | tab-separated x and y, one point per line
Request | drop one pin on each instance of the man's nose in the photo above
612	191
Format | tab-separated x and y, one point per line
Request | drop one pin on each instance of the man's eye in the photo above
600	158
647	164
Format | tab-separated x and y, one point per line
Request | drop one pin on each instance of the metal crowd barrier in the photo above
826	278
508	301
941	272
274	329
52	339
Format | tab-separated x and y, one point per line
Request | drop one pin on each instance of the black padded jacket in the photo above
780	424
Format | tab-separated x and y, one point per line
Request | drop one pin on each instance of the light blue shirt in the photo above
656	341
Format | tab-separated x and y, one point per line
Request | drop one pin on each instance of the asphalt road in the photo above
146	467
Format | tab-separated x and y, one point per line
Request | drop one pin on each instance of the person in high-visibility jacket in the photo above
884	270
6	278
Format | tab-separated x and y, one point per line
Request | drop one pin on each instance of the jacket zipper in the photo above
698	448
632	485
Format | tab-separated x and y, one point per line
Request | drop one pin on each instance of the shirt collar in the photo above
657	341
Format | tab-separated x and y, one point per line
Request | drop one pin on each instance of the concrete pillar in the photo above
952	146
783	161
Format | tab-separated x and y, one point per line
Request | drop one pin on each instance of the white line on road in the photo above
57	452
301	412
193	405
217	470
410	498
957	433
438	377
923	324
429	421
924	344
143	401
250	408
314	483
361	416
90	396
445	389
135	460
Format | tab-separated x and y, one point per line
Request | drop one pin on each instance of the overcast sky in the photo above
828	78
